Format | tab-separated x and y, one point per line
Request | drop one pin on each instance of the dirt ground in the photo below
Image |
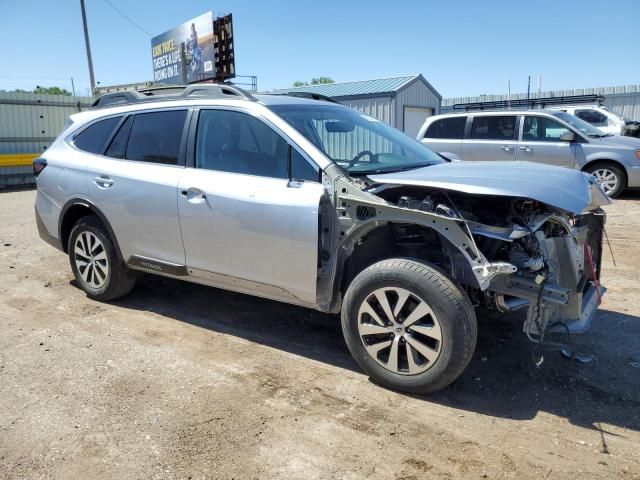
183	381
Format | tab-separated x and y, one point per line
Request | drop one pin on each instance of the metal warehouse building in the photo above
402	102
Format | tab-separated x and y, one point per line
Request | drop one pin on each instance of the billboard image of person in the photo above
185	53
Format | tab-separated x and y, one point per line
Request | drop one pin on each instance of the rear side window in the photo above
155	137
452	128
93	139
499	127
118	147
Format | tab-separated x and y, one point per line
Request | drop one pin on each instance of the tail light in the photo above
38	166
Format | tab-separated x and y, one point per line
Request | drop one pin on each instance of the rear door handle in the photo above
526	148
507	148
103	181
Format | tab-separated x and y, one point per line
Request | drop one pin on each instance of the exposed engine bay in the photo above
507	252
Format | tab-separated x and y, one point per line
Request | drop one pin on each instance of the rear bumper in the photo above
44	233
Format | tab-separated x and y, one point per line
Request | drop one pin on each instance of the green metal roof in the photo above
349	89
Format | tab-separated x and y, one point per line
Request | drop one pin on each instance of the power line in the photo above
127	18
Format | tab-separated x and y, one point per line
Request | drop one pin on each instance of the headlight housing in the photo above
638	154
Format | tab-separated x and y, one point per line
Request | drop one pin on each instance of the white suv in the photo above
311	203
603	118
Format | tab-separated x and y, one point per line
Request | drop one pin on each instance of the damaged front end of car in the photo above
523	244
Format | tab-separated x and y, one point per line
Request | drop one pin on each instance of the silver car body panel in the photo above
554	186
263	230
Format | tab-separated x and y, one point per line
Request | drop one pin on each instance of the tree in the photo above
45	91
321	80
52	91
314	81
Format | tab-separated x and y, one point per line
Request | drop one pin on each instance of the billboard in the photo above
185	53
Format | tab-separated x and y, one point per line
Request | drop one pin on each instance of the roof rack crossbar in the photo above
530	103
170	92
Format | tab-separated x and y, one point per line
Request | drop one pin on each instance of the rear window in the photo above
155	137
447	128
499	127
93	139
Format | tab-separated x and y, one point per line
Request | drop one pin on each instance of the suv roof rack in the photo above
171	92
530	103
311	95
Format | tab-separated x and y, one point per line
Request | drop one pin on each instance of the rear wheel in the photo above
98	269
610	177
408	326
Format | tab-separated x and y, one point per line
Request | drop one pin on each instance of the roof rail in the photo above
530	103
171	92
311	95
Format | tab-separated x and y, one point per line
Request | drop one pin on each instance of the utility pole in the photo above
88	47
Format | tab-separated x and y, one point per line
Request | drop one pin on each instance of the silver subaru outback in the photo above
308	202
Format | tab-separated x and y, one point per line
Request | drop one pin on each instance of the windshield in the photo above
584	127
358	143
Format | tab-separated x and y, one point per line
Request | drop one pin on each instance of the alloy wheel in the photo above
607	179
400	330
91	259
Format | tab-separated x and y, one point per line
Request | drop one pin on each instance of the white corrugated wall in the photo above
624	99
28	124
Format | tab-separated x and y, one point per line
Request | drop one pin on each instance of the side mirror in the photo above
567	137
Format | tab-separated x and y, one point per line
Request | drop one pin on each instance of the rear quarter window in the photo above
449	128
93	139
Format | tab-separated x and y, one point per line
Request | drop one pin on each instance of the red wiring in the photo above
587	251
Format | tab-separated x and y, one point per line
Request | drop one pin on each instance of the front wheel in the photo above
408	326
610	177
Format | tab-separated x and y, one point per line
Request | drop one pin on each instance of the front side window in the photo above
236	142
155	137
498	127
542	129
447	128
581	125
356	142
93	138
593	117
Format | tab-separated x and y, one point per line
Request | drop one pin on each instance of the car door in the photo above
135	185
492	137
245	224
540	142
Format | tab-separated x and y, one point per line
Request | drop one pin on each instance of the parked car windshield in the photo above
581	125
358	143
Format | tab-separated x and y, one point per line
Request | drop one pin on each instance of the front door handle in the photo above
194	195
103	181
526	148
507	148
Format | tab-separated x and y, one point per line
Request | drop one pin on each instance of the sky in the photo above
463	48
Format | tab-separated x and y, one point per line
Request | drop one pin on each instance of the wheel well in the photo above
71	217
390	241
595	163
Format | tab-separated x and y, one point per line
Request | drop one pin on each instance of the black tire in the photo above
450	305
617	170
118	280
